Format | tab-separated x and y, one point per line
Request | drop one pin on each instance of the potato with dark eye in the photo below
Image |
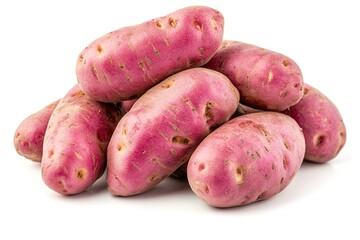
322	124
164	126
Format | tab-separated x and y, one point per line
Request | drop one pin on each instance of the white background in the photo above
40	42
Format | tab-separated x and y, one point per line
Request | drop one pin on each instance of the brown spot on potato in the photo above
141	65
286	63
168	83
81	173
285	162
213	23
260	197
207	190
122	67
180	140
99	49
121	146
94	71
273	166
319	140
124	132
172	22
208	110
306	90
198	25
82	59
282	180
239	174
287	146
159	25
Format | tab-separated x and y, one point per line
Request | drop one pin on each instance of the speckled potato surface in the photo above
123	64
322	123
247	159
164	126
266	80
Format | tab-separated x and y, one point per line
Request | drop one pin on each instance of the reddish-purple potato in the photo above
125	63
266	79
249	158
322	124
29	136
75	143
164	126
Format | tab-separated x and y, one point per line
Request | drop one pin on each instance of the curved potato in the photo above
125	63
247	159
323	126
164	126
266	80
75	142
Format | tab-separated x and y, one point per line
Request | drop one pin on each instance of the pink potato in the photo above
29	136
123	64
75	143
164	126
266	80
127	105
247	159
322	124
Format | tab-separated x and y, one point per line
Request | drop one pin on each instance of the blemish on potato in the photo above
239	174
81	173
260	197
94	71
306	90
141	65
121	147
286	63
273	166
319	140
287	145
208	109
51	153
124	132
266	149
285	162
99	49
122	67
270	76
172	22
201	50
78	155
82	59
168	83
282	180
198	25
159	25
213	23
180	140
201	167
206	188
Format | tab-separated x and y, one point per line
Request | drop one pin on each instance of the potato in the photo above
125	63
29	136
127	105
164	126
322	124
75	143
266	80
249	158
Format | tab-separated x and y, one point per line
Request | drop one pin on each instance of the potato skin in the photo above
125	63
29	136
249	158
76	138
322	124
266	80
164	126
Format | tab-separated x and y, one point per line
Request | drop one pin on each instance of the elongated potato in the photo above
266	79
164	126
29	136
125	63
249	158
76	138
323	126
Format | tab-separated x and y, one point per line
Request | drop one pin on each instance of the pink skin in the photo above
322	124
247	159
29	136
127	105
164	126
75	142
266	80
125	63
